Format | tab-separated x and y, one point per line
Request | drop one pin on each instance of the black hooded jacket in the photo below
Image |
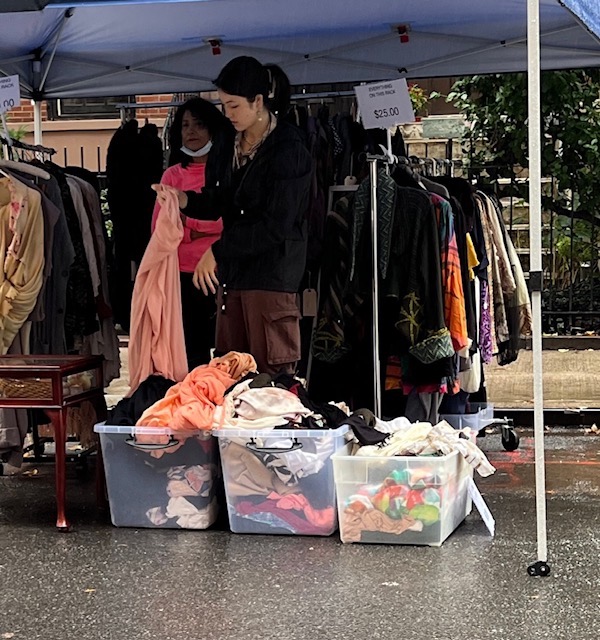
263	206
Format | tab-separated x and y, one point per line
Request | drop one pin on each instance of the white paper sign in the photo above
10	93
384	104
486	514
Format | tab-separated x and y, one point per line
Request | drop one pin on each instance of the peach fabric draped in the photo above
157	343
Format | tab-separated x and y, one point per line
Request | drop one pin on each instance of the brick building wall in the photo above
24	113
153	112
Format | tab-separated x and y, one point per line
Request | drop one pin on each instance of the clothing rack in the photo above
24	146
373	159
320	95
388	159
296	97
510	439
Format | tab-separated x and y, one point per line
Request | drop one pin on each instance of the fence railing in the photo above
571	260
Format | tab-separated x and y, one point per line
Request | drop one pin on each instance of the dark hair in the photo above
247	77
206	114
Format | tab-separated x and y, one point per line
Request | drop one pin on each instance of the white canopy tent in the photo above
121	47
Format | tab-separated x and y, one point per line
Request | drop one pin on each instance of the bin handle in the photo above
274	450
132	442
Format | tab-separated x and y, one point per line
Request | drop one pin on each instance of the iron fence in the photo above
571	260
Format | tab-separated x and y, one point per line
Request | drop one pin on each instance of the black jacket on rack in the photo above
134	162
81	316
413	325
263	206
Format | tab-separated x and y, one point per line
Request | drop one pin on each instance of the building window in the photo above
86	108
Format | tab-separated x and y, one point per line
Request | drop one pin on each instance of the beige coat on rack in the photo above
22	252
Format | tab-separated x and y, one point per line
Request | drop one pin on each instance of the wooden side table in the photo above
52	383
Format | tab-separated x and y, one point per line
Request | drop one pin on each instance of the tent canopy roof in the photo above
103	47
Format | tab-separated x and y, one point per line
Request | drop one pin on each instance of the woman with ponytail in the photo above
262	195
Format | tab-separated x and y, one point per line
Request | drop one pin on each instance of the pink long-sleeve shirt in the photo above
190	178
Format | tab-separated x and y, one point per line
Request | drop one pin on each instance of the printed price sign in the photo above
385	104
10	93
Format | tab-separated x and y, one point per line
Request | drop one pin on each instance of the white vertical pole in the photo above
536	272
37	122
375	284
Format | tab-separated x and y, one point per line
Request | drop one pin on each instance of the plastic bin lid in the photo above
343	455
130	430
477	408
281	433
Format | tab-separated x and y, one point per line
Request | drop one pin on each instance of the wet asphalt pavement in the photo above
100	582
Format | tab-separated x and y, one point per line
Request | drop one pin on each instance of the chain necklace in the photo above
254	146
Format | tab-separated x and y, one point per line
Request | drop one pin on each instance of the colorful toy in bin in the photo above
428	514
404	493
402	499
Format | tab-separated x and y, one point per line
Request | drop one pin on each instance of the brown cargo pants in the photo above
263	323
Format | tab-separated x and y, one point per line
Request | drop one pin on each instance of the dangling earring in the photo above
260	116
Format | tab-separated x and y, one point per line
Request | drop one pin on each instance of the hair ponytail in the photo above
247	77
278	98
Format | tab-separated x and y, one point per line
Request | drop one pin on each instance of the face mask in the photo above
197	154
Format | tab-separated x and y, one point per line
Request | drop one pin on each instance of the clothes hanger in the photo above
390	158
413	177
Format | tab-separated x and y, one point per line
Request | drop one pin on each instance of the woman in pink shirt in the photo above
198	132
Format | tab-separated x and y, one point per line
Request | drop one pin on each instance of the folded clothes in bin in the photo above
401	438
174	491
280	481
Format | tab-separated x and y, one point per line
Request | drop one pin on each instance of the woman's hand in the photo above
161	196
205	274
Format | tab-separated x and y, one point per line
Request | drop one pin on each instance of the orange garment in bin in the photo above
157	344
190	405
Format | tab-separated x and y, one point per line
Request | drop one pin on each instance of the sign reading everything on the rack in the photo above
10	93
384	104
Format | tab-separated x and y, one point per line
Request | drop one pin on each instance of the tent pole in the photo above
540	568
66	16
37	122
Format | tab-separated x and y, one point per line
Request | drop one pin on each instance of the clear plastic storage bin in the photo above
280	481
159	478
480	416
401	500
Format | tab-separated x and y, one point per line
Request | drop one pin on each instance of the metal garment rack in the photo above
123	107
10	143
510	439
373	159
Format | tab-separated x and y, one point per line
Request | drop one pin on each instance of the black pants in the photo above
199	319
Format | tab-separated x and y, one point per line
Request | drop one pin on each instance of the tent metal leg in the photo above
539	568
37	122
